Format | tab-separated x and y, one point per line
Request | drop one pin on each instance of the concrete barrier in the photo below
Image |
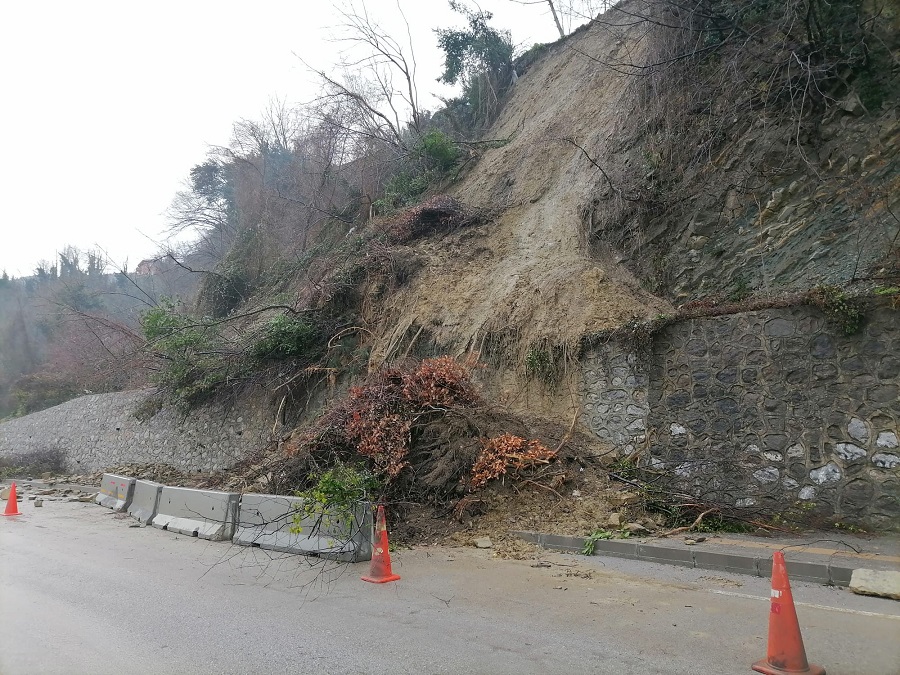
266	521
115	491
206	514
145	502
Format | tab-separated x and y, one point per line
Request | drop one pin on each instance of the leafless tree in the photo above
567	12
376	97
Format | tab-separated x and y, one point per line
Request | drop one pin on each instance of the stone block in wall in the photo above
800	413
615	398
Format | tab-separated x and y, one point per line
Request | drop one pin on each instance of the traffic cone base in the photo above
381	580
380	572
763	666
786	654
12	505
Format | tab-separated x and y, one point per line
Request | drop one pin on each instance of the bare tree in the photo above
559	27
570	11
202	206
376	98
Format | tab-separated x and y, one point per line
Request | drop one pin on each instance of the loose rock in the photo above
624	499
885	584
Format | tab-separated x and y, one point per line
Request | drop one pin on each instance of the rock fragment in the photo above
883	583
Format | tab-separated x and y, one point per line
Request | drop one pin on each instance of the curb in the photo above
821	573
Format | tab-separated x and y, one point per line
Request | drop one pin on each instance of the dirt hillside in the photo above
621	192
530	274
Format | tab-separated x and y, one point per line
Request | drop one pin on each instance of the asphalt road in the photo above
82	592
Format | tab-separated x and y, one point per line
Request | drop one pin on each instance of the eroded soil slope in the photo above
529	275
623	188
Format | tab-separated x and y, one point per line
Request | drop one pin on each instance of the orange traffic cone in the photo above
12	506
380	572
786	653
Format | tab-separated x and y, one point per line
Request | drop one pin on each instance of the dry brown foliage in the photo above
508	454
375	420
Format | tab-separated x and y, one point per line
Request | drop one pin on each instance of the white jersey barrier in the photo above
145	502
206	514
115	491
267	521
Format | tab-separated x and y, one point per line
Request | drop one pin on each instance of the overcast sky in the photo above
107	105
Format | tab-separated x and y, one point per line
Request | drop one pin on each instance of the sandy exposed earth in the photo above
528	275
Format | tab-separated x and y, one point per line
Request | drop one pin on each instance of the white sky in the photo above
107	105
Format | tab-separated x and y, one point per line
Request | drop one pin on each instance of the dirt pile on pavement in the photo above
584	500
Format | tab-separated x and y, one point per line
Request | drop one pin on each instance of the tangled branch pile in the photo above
376	420
440	213
424	432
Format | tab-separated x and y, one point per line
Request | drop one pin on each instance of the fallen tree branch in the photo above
542	486
568	433
688	528
346	331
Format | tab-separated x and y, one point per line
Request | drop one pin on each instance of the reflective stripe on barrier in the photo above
145	502
266	521
207	514
115	491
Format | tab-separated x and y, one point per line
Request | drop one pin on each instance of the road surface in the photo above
84	592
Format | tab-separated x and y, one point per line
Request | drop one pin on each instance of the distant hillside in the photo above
74	328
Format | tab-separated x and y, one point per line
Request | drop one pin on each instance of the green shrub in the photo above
741	290
284	337
433	156
438	150
401	190
841	309
541	364
165	324
336	493
192	370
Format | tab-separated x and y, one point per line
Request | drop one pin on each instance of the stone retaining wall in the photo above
99	431
773	409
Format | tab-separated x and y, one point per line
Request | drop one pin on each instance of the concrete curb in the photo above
821	573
